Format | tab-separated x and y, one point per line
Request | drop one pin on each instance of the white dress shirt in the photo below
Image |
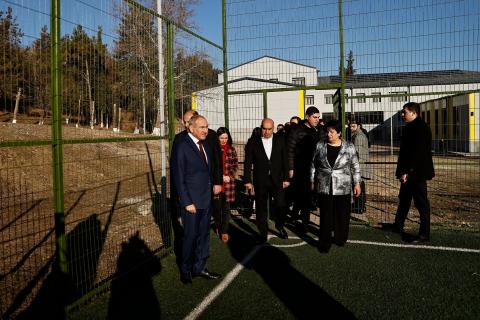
267	145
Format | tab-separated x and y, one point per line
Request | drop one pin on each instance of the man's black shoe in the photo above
409	238
282	232
208	274
303	228
419	239
186	277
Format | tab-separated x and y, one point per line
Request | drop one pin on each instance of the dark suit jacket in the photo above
190	174
415	156
255	156
215	155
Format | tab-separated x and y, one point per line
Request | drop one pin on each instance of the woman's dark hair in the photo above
334	124
223	130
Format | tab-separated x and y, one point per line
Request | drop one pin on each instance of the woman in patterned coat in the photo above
224	200
334	166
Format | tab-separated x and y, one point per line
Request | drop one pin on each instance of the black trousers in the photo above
303	195
221	214
334	216
262	199
416	189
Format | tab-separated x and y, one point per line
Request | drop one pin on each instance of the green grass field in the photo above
291	279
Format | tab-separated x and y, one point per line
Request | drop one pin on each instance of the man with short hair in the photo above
212	140
301	143
190	170
414	168
268	178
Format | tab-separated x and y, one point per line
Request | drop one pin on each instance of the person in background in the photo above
360	141
223	200
266	174
295	120
414	168
365	132
334	165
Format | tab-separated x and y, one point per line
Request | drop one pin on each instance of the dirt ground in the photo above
112	189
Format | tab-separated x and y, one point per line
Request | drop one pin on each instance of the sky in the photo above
209	20
384	35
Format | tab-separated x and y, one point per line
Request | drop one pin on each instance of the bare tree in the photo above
17	102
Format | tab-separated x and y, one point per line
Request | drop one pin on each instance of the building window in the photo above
298	81
360	99
399	98
328	99
378	97
367	117
309	100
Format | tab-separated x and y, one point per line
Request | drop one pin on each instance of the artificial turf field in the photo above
375	276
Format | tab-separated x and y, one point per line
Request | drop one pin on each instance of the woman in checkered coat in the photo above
223	201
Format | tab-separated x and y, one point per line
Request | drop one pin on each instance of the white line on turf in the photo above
221	286
412	246
239	267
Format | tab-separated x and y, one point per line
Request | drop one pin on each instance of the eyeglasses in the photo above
267	129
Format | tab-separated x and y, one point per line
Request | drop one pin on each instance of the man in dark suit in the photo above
190	170
414	168
268	156
216	171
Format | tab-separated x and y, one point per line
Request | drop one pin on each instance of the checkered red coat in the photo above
230	166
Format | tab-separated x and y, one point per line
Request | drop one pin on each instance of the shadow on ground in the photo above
299	294
132	293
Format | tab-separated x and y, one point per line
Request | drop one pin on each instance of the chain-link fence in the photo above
91	94
92	89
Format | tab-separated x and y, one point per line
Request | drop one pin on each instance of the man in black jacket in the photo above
268	156
301	143
414	168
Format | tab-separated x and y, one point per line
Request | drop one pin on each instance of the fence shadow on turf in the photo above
298	293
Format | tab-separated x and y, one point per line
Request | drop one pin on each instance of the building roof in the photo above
275	58
403	79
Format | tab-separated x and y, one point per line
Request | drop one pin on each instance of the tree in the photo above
38	84
11	75
193	72
349	70
84	67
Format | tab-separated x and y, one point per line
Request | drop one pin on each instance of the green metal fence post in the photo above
57	153
342	68
170	86
265	104
225	65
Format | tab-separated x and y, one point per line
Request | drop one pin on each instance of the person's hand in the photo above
249	187
285	184
191	209
290	173
226	179
312	185
404	178
357	190
217	188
